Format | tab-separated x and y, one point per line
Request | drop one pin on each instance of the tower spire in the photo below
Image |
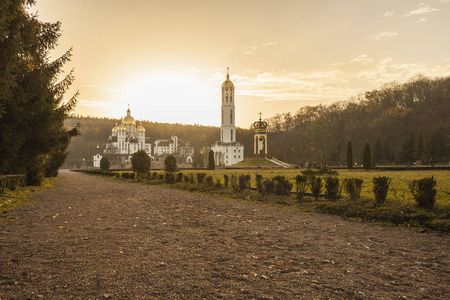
228	73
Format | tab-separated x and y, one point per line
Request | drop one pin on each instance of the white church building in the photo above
227	151
125	139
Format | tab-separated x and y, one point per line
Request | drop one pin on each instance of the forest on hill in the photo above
403	123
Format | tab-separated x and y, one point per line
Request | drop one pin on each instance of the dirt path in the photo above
99	238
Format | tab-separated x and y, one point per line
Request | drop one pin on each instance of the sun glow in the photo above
171	98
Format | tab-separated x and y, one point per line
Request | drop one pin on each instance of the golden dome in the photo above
140	128
128	119
227	83
122	127
115	128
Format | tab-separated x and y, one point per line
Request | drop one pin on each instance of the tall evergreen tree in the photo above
32	110
367	157
349	155
211	163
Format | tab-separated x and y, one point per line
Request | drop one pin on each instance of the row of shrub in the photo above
423	190
11	182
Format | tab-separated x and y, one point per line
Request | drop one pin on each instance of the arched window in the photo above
231	117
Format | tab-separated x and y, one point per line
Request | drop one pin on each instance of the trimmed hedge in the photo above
11	182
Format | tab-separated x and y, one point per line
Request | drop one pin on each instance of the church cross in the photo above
260	113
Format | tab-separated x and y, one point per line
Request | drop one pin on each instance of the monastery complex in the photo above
127	138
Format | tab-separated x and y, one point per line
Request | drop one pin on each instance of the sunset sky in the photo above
168	59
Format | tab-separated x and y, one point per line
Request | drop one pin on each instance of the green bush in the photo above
282	185
169	177
233	183
192	178
380	188
209	180
132	175
154	175
170	163
161	176
149	176
225	178
218	183
104	163
125	175
322	171
141	162
269	186
331	188
352	187
424	192
180	177
201	177
11	182
186	178
259	183
315	184
244	182
301	182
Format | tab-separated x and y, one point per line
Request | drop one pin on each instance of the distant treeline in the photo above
402	122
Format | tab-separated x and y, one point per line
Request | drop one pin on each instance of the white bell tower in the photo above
228	130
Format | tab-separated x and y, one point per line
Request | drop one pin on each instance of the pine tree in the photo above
367	157
349	155
211	163
32	111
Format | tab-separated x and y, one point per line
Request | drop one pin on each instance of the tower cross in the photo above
260	113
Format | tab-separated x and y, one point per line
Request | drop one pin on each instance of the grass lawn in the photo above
252	162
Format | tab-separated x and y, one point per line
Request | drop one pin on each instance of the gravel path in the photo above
102	238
